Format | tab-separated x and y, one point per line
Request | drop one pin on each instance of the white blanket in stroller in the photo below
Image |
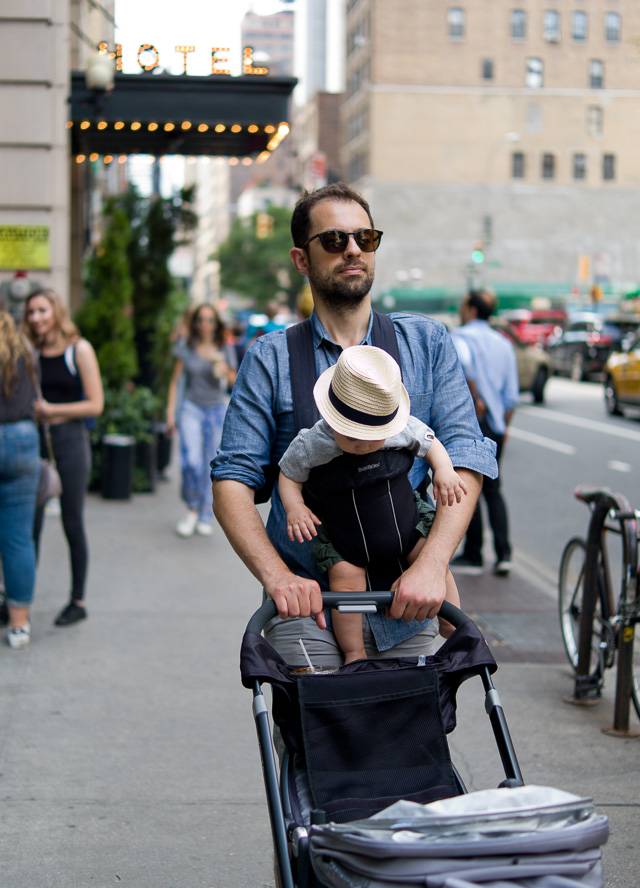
530	836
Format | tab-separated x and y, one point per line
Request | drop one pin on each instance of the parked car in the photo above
622	378
583	346
533	361
535	326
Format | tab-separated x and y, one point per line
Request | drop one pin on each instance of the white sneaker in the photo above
186	527
19	636
204	528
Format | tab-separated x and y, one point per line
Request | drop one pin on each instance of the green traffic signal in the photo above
477	256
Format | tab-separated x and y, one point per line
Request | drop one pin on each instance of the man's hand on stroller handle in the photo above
297	597
419	593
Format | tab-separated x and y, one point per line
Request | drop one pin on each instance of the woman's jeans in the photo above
200	434
19	479
72	453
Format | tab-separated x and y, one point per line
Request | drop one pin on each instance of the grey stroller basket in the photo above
367	796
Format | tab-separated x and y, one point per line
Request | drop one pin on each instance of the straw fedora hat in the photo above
362	395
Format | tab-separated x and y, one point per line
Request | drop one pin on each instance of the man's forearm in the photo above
236	513
451	522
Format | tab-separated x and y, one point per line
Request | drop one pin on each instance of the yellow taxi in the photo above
622	377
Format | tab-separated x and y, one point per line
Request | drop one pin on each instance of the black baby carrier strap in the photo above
304	373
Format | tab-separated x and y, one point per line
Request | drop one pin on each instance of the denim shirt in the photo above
259	426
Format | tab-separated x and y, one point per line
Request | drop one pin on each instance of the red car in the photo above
534	326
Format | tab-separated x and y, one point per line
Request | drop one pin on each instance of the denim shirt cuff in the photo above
476	455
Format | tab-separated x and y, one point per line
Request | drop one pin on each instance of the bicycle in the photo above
596	625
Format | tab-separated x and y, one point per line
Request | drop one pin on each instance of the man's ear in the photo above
300	259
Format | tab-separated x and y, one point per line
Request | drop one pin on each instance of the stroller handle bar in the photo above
352	602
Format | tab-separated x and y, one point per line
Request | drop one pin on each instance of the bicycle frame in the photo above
597	583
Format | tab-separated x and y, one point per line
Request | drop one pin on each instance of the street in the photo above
127	747
566	441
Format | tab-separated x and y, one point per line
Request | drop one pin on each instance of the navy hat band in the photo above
367	419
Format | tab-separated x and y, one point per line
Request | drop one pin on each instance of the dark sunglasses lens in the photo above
334	241
367	239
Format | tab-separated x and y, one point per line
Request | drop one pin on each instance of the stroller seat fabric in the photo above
531	836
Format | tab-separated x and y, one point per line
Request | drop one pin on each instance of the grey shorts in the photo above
323	649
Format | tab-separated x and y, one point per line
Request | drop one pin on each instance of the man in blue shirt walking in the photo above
334	247
490	366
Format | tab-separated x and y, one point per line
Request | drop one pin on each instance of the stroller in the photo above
367	795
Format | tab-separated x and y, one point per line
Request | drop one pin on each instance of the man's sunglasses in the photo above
336	241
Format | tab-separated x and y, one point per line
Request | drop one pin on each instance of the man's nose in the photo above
352	248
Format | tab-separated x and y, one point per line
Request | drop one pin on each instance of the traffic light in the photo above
264	226
477	255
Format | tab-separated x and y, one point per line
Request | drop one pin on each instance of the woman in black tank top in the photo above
71	392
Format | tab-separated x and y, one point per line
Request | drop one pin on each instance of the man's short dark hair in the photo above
301	218
482	302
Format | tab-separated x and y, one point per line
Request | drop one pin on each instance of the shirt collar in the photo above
320	334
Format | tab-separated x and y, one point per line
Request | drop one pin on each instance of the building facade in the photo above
506	129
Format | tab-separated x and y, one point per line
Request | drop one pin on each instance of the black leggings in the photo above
73	457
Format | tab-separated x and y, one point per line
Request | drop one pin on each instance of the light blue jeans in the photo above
200	434
19	478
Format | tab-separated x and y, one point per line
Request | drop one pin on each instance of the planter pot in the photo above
118	457
145	466
163	449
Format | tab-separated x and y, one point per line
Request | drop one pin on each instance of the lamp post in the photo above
100	78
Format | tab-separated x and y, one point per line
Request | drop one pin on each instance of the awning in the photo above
180	114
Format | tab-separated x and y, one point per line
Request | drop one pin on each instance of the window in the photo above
455	21
596	74
487	69
608	167
579	26
517	165
551	26
612	27
579	166
548	166
594	120
534	118
518	24
534	76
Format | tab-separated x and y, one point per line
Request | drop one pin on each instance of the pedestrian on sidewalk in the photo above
19	477
206	362
334	247
491	370
71	394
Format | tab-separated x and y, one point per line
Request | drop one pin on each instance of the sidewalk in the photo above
127	746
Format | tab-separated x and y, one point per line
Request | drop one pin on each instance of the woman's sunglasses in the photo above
336	241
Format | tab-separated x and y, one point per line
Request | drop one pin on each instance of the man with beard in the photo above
335	243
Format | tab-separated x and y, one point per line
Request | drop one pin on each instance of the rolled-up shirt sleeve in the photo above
249	435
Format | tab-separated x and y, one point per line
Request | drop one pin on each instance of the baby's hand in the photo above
448	486
301	523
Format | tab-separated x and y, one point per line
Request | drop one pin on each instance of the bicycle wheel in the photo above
635	678
570	591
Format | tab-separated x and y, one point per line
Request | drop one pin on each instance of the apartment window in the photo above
551	26
579	166
455	21
594	120
518	24
579	26
517	165
608	167
487	69
612	27
596	74
535	70
548	166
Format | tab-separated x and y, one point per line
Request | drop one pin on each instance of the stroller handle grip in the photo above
357	602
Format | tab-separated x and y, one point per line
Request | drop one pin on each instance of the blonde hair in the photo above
12	347
61	314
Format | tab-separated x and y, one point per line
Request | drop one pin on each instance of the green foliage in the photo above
105	317
260	268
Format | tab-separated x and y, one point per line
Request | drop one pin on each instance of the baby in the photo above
353	466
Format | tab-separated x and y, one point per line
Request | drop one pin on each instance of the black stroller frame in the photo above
291	837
